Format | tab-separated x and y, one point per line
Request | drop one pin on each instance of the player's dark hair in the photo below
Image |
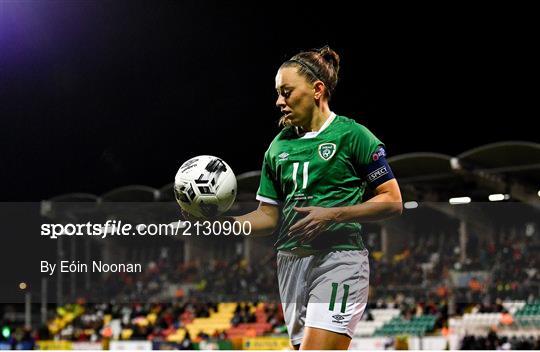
317	65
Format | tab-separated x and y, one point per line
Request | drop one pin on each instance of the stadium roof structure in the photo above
132	193
514	158
424	176
62	207
510	167
166	193
248	183
75	197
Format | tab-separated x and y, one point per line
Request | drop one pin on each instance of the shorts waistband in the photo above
299	252
304	252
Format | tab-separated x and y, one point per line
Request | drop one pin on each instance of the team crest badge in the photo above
327	150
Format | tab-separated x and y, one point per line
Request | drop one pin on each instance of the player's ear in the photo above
318	89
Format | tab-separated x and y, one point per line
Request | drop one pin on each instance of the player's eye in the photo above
284	92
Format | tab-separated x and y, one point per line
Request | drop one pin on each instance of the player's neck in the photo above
319	118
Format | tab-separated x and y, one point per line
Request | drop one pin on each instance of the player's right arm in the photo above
263	220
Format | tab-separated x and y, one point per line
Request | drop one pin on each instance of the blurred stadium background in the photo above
459	269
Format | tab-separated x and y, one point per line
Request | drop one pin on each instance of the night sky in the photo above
96	95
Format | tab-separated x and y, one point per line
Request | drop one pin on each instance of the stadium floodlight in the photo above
530	229
455	164
459	200
410	205
497	197
6	332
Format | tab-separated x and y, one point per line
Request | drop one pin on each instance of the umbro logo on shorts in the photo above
338	318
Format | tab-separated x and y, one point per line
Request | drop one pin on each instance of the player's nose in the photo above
280	102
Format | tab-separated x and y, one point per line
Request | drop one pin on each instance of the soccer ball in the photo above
205	186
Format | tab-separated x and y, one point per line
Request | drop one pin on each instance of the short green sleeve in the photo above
269	186
364	145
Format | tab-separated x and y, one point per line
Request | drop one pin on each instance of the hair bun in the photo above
317	64
329	56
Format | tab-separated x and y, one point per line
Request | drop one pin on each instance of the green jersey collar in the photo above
314	134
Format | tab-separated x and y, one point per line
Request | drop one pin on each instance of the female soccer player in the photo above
313	177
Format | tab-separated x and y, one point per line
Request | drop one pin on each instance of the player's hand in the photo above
191	218
316	220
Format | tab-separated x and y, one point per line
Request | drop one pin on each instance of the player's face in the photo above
295	96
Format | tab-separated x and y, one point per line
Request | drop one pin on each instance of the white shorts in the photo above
326	290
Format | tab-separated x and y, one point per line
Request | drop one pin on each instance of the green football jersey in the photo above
324	169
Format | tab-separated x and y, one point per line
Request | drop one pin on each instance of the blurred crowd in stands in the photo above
494	342
141	321
221	280
418	281
507	268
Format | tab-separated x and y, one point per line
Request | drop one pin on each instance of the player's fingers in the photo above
301	230
302	209
188	217
298	232
309	226
309	236
306	239
313	233
300	223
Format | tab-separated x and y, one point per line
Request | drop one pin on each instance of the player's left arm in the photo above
387	200
385	204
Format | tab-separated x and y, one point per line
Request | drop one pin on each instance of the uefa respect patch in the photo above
380	153
380	172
